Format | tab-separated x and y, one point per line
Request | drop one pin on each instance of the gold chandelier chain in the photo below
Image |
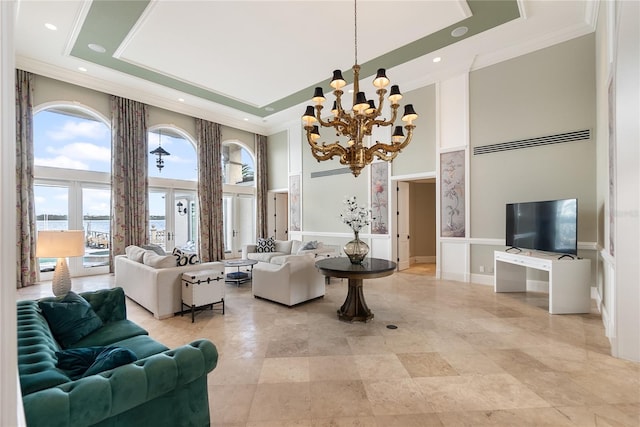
355	29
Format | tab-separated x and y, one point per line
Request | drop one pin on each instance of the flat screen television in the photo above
549	226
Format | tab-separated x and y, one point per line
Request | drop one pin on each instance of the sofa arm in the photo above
98	397
247	249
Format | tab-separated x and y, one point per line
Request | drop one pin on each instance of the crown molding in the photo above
207	110
532	45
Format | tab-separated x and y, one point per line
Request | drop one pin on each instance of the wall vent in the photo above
330	172
579	135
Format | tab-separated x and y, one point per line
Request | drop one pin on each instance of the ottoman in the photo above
201	290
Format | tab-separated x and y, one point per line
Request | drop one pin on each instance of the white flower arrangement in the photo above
356	217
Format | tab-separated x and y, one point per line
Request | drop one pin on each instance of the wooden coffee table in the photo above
355	307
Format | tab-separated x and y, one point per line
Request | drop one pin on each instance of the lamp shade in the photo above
60	243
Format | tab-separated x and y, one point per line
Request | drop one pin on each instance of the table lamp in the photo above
60	244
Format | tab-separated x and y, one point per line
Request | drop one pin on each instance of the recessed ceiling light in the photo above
246	119
181	99
268	108
437	59
459	32
96	48
50	26
84	70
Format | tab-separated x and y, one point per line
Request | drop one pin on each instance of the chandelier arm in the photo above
383	154
380	93
328	154
407	140
383	122
334	148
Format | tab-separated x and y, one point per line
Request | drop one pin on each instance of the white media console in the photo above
569	288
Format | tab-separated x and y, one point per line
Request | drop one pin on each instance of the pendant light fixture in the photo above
359	122
159	152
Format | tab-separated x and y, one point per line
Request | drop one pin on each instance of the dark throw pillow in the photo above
266	245
70	318
82	362
310	245
109	358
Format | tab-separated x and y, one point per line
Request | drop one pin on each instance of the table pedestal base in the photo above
355	307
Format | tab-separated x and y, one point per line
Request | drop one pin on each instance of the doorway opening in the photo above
414	226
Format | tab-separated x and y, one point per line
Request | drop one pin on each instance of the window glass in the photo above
237	165
181	163
70	138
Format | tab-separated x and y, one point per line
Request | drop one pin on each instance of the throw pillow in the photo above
184	258
310	245
155	248
85	361
110	358
134	253
70	318
154	260
265	245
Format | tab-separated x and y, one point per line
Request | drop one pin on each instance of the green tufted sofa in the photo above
162	388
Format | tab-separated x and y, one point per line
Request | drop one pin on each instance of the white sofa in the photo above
294	281
158	289
285	248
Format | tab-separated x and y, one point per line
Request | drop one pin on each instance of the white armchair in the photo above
295	281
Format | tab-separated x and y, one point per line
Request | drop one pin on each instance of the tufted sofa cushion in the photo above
36	350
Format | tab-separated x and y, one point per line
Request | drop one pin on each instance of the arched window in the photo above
72	158
237	165
182	161
173	212
70	137
238	202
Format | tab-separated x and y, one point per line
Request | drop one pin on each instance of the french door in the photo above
173	219
75	206
239	223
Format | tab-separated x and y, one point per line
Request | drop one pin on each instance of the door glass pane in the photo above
52	213
185	221
157	219
245	224
96	221
227	219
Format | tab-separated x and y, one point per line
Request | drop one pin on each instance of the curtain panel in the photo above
26	263
209	140
129	182
261	187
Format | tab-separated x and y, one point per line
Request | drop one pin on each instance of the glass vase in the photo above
356	250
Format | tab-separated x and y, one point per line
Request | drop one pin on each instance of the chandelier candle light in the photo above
359	122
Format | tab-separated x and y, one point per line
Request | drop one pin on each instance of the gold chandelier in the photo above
359	122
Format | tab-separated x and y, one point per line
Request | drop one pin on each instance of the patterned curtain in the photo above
210	190
27	268
261	186
129	183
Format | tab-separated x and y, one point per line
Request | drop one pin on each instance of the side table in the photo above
239	277
355	307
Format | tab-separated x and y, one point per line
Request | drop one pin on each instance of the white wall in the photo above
625	338
11	409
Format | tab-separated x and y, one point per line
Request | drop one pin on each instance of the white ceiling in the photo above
259	52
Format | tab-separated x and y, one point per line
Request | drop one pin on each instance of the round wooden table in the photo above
355	307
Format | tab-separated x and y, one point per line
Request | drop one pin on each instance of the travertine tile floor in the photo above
461	356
